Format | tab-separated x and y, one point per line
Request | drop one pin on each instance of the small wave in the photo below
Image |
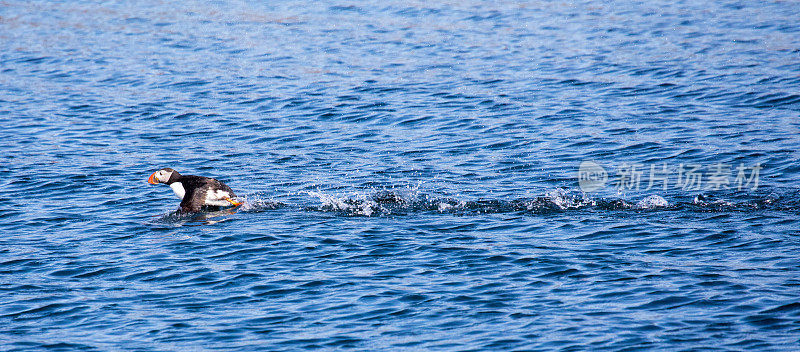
769	101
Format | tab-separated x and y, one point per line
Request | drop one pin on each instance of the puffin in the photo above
195	192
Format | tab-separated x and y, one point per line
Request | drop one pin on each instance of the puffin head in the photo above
162	176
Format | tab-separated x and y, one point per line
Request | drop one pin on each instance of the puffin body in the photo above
195	192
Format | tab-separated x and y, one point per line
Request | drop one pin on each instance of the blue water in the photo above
410	175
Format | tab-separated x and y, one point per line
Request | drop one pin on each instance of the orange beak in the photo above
152	179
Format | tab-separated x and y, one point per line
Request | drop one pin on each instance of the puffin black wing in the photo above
192	202
204	191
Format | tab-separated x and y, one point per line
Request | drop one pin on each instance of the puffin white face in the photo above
160	176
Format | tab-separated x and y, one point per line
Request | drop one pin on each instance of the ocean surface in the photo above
416	176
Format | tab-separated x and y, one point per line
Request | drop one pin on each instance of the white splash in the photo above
652	201
562	199
256	202
360	205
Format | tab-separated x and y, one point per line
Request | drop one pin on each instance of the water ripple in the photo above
408	172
